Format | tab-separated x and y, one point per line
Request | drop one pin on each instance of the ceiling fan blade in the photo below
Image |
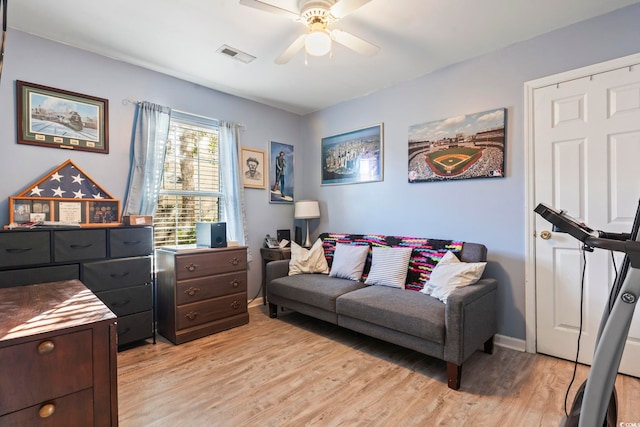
257	4
354	43
344	7
291	50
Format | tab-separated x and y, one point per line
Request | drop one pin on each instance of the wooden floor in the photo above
298	371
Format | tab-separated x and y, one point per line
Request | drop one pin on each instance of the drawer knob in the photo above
46	347
235	261
191	291
235	283
47	410
191	267
235	305
191	315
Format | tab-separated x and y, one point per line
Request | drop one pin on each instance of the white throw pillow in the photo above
389	267
446	278
308	260
348	261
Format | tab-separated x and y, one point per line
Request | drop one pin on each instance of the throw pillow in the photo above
348	261
389	267
308	260
446	278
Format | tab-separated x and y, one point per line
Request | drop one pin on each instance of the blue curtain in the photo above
231	182
148	148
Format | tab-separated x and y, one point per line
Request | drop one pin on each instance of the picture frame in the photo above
353	157
281	172
460	147
253	167
57	118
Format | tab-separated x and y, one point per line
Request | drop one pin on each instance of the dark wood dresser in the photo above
57	357
114	262
200	291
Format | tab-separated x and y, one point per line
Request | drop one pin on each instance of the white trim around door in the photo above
529	168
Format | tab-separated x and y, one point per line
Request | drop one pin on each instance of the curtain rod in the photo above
131	101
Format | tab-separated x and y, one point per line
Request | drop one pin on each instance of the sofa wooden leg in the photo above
454	372
273	311
488	346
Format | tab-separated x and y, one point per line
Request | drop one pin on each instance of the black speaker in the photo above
211	234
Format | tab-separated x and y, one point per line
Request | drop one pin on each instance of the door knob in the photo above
545	234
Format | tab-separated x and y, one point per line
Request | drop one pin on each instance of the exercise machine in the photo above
595	403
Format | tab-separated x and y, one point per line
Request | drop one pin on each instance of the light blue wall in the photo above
40	61
489	211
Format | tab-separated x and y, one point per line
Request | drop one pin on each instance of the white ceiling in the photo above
180	38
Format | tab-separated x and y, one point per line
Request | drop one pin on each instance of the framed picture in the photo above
61	119
253	161
353	157
462	147
280	173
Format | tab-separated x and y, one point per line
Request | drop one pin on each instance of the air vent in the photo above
235	54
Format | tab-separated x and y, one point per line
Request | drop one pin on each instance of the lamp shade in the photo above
306	209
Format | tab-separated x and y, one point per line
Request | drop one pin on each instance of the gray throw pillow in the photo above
348	261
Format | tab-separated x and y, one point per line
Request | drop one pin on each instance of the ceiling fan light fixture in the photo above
318	43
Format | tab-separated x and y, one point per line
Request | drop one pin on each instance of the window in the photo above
190	190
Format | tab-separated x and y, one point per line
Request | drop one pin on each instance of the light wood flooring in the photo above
298	371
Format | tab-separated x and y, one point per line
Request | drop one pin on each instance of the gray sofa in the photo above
450	332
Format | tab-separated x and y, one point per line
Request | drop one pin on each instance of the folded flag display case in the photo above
66	196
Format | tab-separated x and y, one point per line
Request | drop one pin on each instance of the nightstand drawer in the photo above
133	241
193	290
117	273
24	248
63	364
275	255
74	245
207	311
128	300
206	264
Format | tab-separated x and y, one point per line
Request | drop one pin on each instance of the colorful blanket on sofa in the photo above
424	257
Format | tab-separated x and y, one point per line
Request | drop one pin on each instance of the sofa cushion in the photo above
450	274
317	290
398	309
348	261
389	267
308	260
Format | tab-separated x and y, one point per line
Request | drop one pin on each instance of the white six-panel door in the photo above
586	162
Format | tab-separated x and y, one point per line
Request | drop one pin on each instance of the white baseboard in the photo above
255	302
509	342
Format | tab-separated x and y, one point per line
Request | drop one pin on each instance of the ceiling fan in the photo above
318	15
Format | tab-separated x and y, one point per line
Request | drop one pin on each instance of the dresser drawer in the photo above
61	364
193	290
116	273
135	327
24	248
206	264
134	241
74	245
75	410
128	300
207	311
31	276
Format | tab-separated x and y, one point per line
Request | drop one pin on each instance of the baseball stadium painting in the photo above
462	147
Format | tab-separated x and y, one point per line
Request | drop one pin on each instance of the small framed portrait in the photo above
253	163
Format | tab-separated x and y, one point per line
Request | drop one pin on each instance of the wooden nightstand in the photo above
269	254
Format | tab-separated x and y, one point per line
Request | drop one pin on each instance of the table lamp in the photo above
306	209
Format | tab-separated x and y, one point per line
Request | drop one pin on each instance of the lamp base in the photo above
307	241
